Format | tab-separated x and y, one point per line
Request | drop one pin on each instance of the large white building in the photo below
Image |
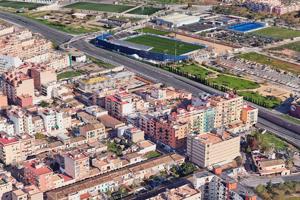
209	149
177	19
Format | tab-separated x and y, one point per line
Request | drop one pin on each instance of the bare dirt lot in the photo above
273	90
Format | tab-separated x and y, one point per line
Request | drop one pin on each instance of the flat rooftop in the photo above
211	138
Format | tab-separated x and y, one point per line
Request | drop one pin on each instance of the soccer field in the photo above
277	32
18	5
164	45
153	31
144	11
99	7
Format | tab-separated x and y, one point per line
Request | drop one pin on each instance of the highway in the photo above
283	129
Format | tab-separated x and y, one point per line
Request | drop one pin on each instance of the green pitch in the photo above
277	32
18	5
164	45
153	31
295	46
144	11
99	7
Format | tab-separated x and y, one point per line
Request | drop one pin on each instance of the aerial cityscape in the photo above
150	99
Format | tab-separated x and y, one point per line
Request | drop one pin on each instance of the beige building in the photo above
185	192
14	149
93	132
5	188
272	167
77	165
210	149
42	75
227	109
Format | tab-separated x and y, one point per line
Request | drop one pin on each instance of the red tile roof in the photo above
6	141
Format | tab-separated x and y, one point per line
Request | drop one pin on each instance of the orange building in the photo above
3	101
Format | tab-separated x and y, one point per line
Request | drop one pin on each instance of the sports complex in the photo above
148	46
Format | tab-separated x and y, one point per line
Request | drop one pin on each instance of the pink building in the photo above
38	174
17	84
24	101
41	74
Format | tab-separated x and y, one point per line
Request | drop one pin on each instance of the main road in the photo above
267	119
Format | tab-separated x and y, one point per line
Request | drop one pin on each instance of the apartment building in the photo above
77	165
227	109
209	149
172	134
41	75
17	83
93	131
184	192
38	174
15	149
249	115
5	187
122	104
213	187
21	119
8	62
131	133
30	192
6	29
6	126
24	45
278	7
53	119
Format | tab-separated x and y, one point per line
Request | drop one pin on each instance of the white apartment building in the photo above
22	121
9	62
6	126
53	120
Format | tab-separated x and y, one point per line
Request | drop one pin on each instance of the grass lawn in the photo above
152	154
278	32
68	74
194	69
153	31
269	140
275	63
99	7
267	102
164	45
144	11
234	82
295	46
18	5
100	62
